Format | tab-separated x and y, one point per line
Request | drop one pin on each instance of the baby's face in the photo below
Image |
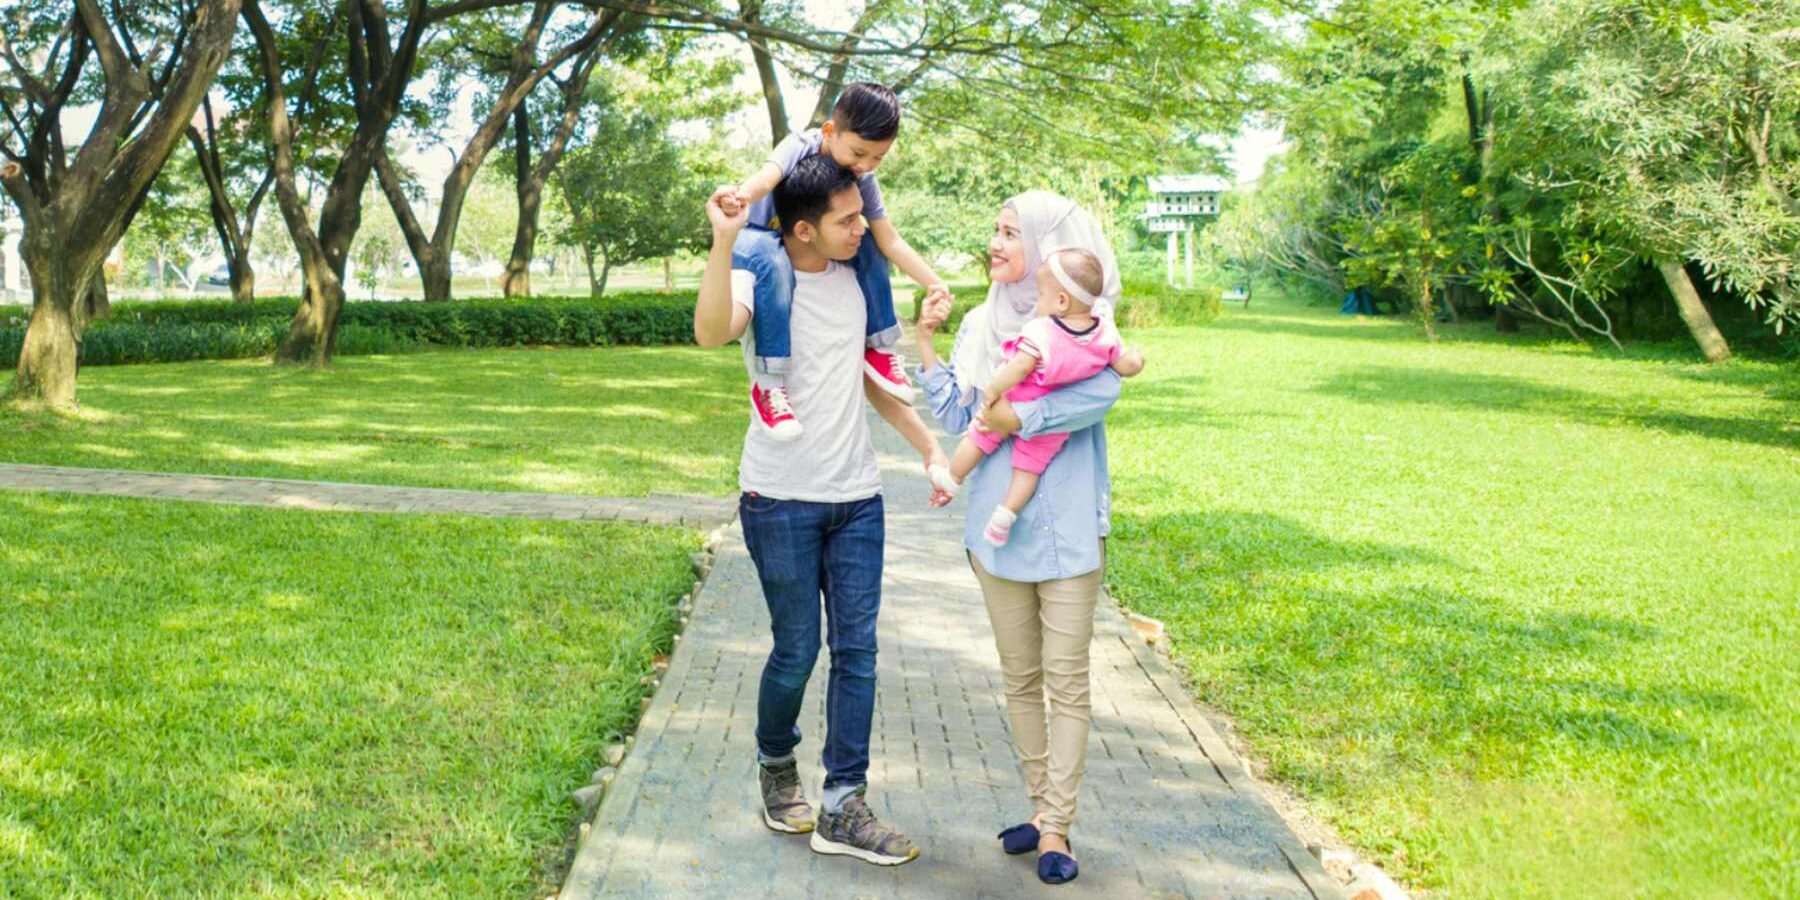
1051	299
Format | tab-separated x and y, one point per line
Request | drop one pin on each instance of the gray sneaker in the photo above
784	804
854	831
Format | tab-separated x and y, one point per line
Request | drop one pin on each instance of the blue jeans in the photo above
758	250
804	550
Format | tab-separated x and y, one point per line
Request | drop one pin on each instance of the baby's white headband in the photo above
1062	277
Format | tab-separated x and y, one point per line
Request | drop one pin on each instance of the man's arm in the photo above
717	320
901	254
905	420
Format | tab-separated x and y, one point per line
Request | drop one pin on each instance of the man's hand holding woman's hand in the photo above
937	458
936	309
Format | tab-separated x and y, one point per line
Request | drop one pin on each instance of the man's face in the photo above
851	151
840	230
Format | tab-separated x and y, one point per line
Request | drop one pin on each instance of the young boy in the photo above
861	130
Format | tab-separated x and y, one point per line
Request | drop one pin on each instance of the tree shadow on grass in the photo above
1460	390
1328	643
472	419
1387	329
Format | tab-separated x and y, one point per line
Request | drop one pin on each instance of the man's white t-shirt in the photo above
833	460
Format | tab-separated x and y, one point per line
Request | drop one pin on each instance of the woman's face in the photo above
1006	249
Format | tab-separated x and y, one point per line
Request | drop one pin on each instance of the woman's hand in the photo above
934	312
997	419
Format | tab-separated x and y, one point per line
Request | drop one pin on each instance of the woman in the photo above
1042	586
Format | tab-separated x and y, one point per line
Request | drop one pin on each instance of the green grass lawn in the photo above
1520	618
209	701
613	422
1516	615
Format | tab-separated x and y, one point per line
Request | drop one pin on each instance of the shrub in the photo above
1145	304
170	331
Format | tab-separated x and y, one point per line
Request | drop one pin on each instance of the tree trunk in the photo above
243	280
587	256
1504	320
517	282
751	11
605	271
47	361
1693	312
434	275
1425	314
833	83
668	275
95	304
312	336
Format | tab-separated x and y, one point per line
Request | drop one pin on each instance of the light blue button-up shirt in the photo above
1058	533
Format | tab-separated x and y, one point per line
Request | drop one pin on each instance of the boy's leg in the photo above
880	362
878	295
786	542
759	251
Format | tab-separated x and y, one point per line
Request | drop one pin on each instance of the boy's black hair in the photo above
868	110
805	194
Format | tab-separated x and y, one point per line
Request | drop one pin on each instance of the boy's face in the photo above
840	229
850	150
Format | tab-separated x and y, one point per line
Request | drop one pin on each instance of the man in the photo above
811	507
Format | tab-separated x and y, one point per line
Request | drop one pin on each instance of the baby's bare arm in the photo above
1012	373
1129	363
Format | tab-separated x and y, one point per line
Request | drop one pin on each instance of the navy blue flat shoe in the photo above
1057	868
1019	839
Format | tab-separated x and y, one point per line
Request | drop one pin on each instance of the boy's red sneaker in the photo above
774	413
888	372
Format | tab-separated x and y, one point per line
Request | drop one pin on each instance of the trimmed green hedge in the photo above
1145	304
170	331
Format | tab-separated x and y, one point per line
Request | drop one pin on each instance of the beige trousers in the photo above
1043	631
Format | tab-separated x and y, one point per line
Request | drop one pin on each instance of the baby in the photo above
1066	343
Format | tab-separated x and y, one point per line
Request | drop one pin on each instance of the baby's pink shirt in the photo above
1063	356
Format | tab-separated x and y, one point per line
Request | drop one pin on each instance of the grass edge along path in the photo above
212	701
1511	617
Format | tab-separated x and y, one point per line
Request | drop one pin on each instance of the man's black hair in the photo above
868	110
805	194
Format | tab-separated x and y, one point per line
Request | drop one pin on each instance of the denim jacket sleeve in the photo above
945	394
1071	407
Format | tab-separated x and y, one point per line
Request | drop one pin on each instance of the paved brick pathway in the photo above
1166	811
656	509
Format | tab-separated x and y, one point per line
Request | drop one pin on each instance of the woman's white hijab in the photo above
1047	223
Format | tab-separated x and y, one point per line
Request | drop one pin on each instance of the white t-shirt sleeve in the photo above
743	289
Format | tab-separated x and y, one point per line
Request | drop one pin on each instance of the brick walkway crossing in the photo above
1166	811
656	509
